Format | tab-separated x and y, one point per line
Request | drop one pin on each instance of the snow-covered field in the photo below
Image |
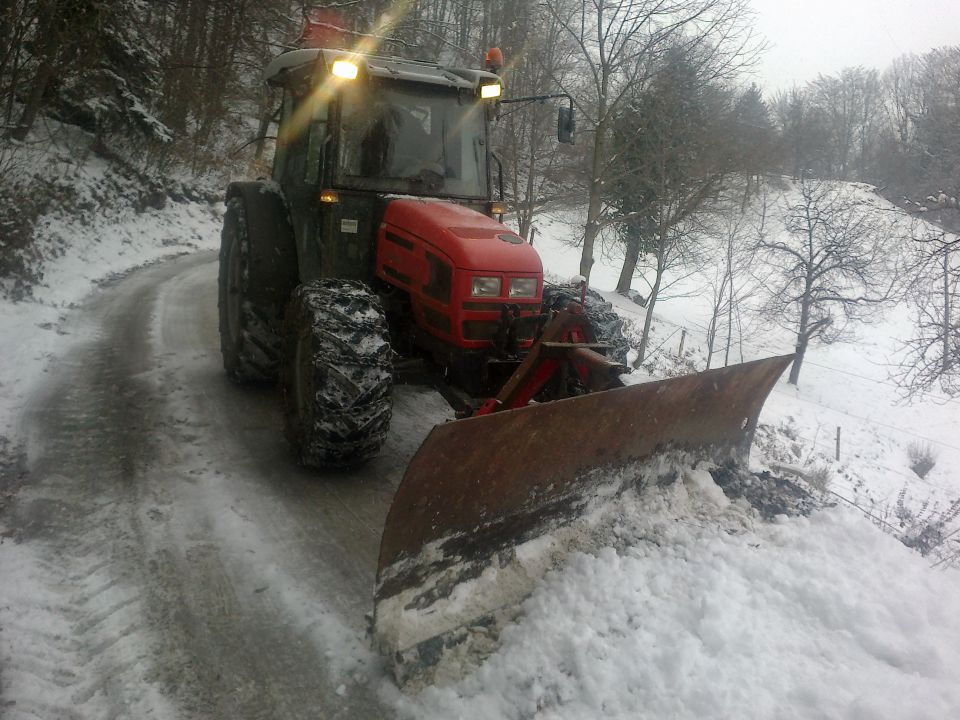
847	385
701	610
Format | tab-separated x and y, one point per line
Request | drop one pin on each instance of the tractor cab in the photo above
417	139
386	125
359	130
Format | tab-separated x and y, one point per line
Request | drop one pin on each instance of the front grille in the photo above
487	330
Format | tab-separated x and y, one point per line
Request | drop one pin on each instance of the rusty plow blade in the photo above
460	547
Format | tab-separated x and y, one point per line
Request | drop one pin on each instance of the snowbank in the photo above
806	618
82	251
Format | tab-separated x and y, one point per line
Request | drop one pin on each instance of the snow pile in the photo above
700	618
68	205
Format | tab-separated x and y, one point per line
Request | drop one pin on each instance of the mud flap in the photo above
479	489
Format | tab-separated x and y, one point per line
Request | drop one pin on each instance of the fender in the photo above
273	251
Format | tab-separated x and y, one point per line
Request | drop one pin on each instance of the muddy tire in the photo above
607	325
249	330
336	375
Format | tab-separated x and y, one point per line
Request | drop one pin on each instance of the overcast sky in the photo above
808	37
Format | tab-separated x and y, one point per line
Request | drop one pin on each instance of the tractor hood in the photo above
470	239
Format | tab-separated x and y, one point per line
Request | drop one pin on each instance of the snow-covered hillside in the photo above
846	385
100	222
697	609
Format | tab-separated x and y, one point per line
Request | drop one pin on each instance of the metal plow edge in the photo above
478	489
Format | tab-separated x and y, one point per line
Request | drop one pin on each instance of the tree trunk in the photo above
50	41
798	361
711	336
266	116
648	320
14	82
652	300
630	259
595	184
32	107
525	209
594	203
726	355
945	366
802	338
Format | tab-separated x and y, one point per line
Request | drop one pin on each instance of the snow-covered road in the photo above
170	557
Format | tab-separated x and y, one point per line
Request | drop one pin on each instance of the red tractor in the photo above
376	239
374	253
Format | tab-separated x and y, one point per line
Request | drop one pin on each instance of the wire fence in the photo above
763	350
828	449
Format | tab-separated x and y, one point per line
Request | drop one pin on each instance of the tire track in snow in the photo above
170	559
76	641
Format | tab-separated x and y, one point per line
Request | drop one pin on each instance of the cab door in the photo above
299	169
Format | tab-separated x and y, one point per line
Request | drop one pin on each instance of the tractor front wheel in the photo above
606	324
336	374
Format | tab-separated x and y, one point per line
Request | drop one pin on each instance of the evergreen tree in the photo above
753	135
92	67
673	147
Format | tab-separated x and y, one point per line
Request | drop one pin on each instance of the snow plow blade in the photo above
479	488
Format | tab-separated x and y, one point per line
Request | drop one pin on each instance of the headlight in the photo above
486	287
344	69
488	92
523	287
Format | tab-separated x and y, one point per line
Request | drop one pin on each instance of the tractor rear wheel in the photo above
249	334
336	375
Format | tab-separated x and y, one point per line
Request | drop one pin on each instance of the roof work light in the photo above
344	69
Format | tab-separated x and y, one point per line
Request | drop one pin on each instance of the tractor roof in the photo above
376	66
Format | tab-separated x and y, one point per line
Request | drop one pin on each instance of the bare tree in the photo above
732	237
618	42
752	139
59	28
672	150
849	103
931	358
833	265
938	127
903	100
803	134
537	53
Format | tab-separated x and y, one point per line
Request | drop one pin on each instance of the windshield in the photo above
422	140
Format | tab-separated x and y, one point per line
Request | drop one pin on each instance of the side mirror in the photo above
566	126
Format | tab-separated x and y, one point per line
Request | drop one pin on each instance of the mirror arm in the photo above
499	173
534	98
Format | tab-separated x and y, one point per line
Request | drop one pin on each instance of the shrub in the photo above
20	205
922	457
818	476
